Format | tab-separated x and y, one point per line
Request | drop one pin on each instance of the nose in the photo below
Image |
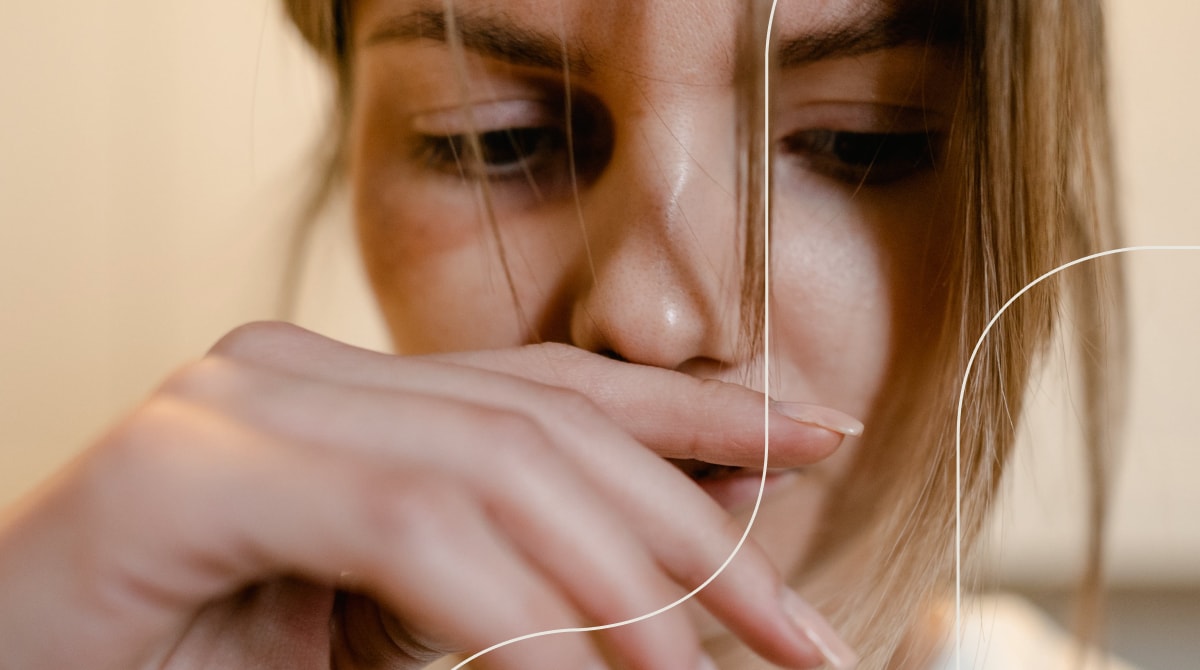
660	278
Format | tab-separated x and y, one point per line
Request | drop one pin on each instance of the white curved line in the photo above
766	380
958	419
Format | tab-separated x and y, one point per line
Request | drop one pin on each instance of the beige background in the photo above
1156	530
150	159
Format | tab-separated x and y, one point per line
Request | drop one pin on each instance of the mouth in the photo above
732	487
700	471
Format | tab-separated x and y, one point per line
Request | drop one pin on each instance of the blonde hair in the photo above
1033	134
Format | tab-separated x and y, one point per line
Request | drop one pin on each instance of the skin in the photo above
268	502
636	259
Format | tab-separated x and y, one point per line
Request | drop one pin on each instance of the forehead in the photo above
680	40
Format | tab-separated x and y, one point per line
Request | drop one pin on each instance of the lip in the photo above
739	489
733	487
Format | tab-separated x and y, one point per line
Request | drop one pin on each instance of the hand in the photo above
473	497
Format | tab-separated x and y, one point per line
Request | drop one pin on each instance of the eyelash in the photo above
507	153
864	158
539	153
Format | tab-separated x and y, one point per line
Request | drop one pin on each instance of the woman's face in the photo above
638	254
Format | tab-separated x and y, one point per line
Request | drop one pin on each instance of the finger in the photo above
464	588
537	497
677	415
670	513
690	536
699	417
282	624
205	510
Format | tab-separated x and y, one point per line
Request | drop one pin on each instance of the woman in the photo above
558	203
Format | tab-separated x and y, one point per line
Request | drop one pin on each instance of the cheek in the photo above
831	308
425	246
856	289
433	260
426	259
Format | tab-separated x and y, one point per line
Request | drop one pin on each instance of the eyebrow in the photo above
912	23
501	39
490	36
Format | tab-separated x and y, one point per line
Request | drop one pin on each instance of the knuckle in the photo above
144	449
517	442
416	512
715	392
156	422
209	376
253	340
573	406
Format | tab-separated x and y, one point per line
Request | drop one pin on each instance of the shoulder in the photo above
1004	632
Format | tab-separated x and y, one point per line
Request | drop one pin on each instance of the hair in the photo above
1032	131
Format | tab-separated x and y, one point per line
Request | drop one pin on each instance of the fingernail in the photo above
825	417
813	626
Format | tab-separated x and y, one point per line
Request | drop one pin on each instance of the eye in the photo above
504	153
860	158
537	144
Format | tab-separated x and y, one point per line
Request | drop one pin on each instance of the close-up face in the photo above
707	333
600	206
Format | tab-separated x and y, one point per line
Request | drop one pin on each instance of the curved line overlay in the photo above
958	418
766	397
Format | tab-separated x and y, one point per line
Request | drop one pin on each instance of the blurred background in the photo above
153	156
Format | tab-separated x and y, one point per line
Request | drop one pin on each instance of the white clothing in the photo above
1005	632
